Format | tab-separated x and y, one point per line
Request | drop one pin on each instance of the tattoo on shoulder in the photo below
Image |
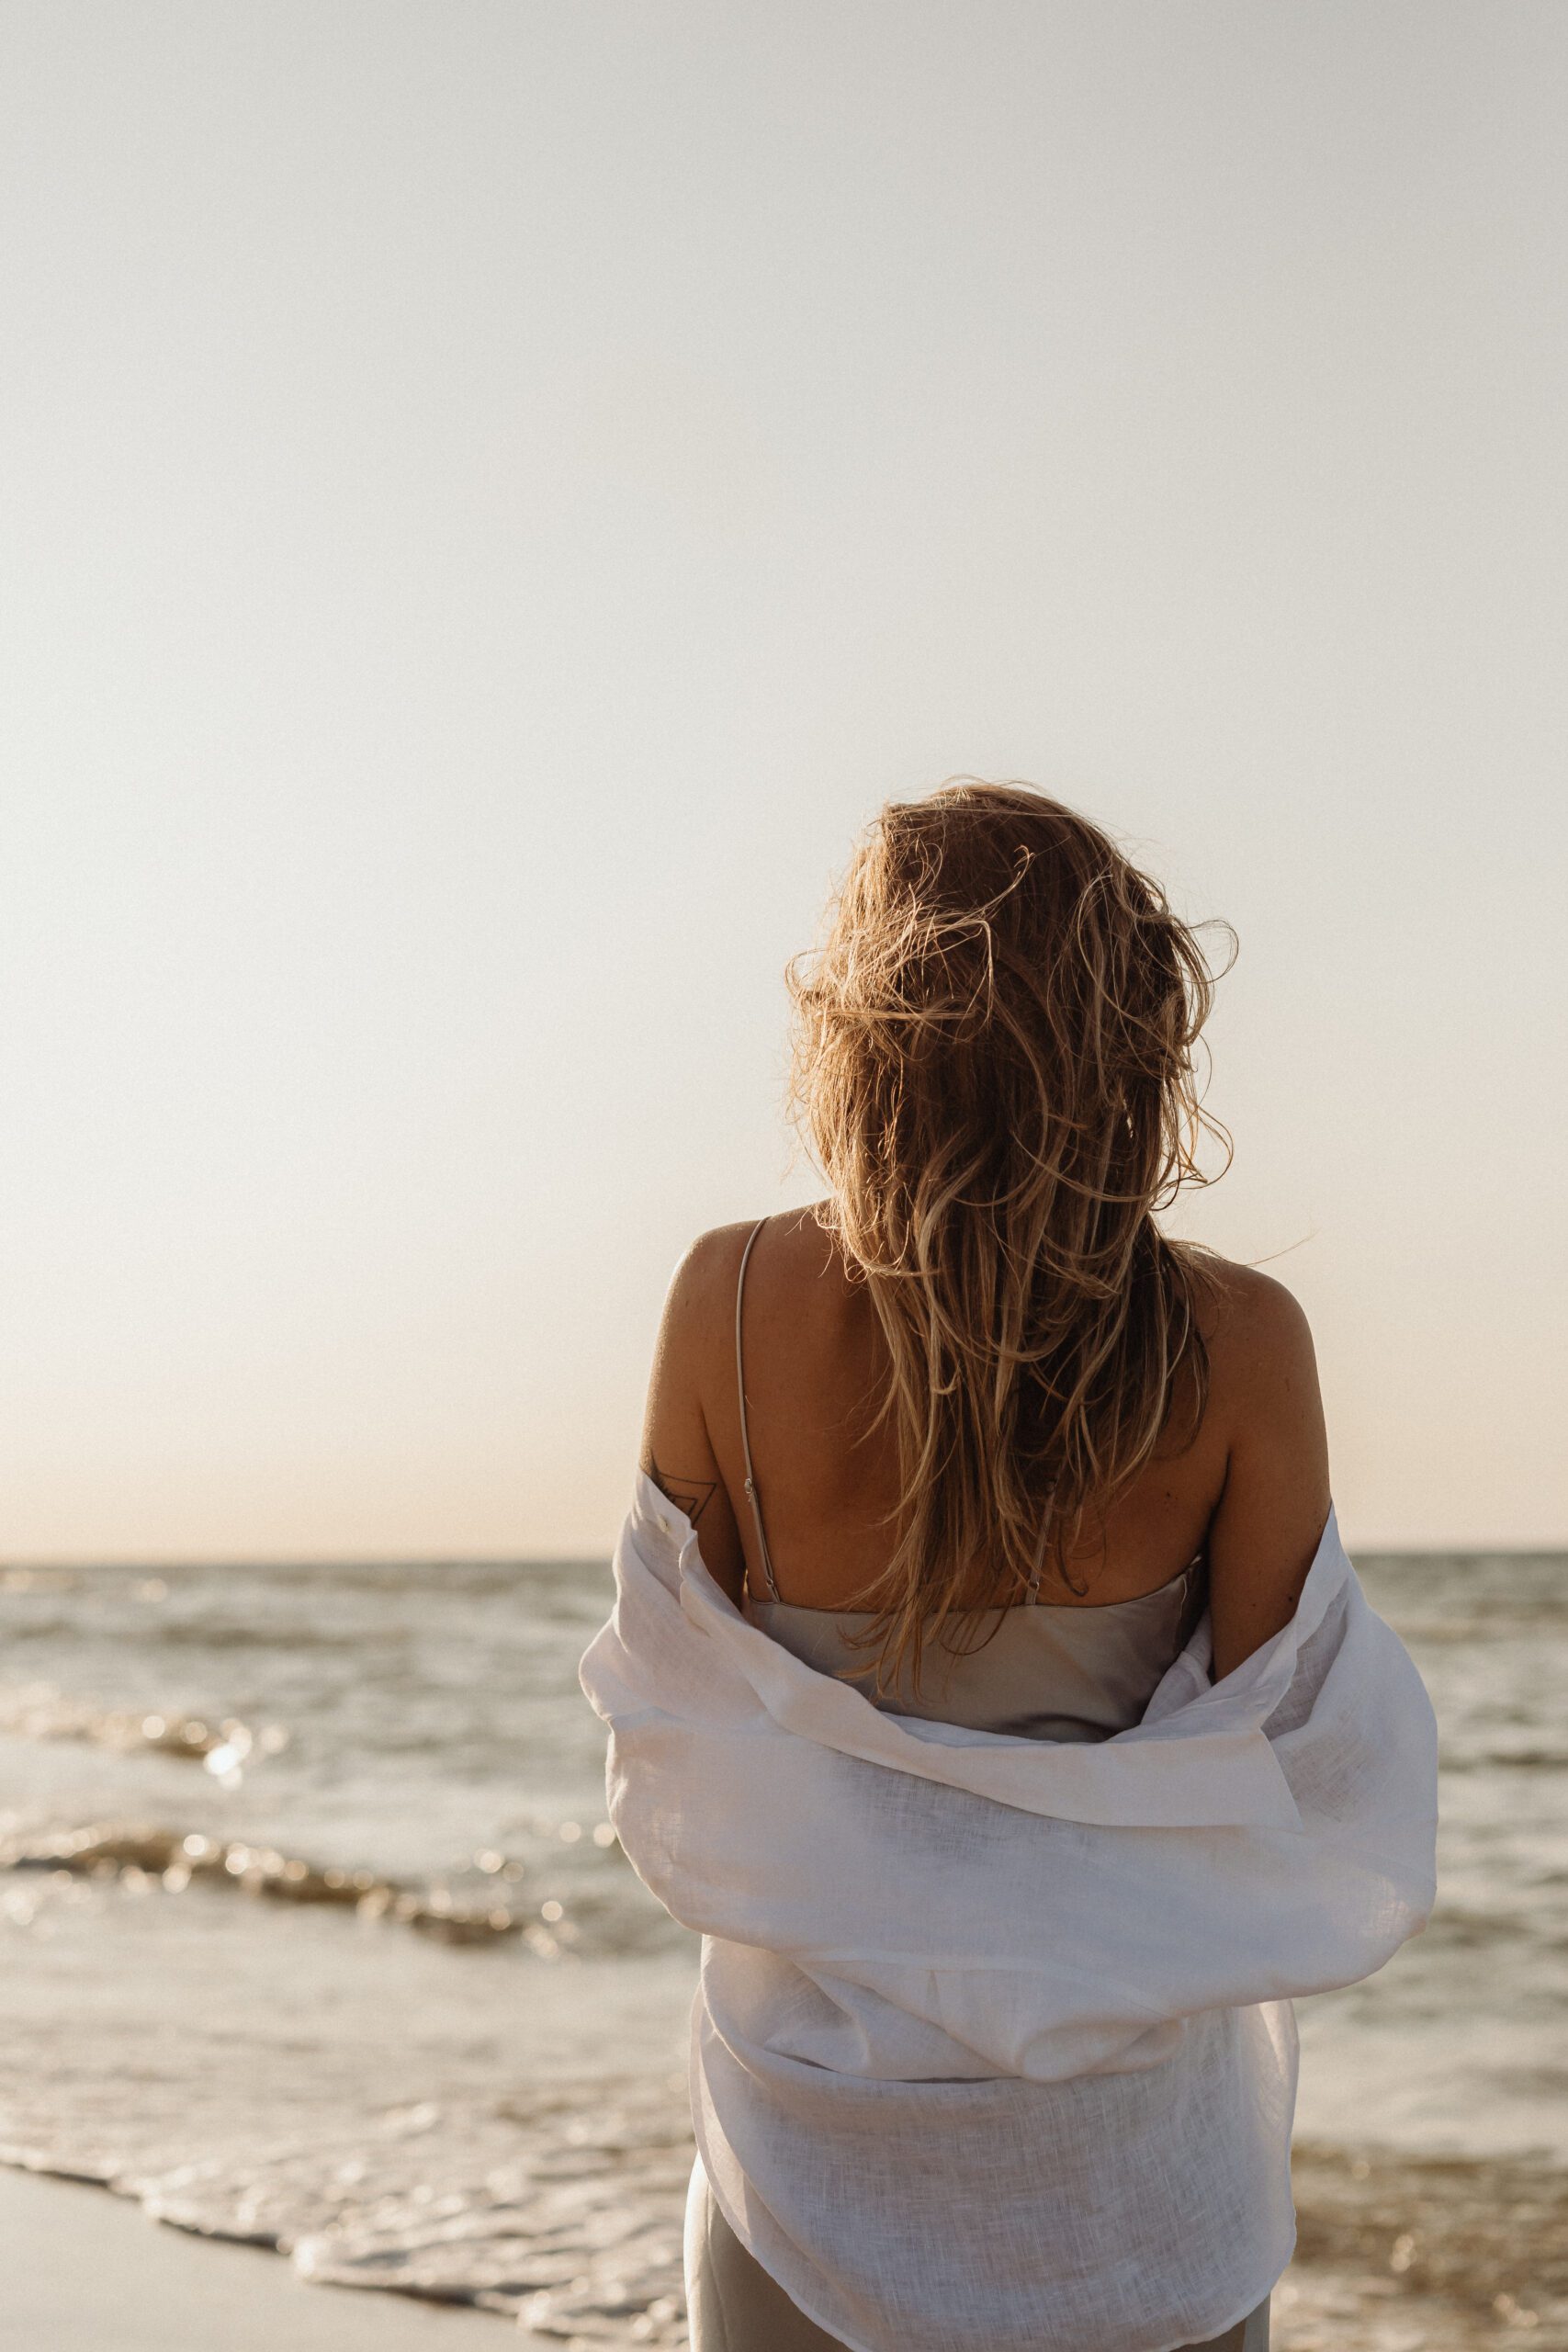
690	1495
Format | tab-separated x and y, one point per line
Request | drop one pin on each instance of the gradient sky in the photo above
495	497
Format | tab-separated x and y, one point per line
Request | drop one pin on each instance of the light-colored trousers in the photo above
734	2305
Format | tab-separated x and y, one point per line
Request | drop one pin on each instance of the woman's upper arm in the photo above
677	1452
1277	1493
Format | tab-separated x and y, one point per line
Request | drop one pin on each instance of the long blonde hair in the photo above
993	1064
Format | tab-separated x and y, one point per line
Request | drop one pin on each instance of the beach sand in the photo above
86	2271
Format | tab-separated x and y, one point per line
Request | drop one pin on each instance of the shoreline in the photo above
1392	2251
89	2271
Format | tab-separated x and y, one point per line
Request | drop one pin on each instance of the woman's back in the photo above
1046	1669
816	1366
1247	1492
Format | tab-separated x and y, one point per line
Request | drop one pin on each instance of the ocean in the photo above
315	1935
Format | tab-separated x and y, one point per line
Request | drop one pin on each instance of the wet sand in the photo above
86	2271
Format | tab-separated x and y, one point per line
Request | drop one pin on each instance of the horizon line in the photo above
150	1564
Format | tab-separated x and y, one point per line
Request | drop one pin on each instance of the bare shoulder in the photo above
691	1419
704	1281
678	1452
696	1339
1267	1411
706	1269
1231	1292
791	1246
1256	1329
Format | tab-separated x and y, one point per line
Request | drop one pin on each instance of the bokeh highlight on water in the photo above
315	1935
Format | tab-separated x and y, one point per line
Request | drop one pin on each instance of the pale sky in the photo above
496	495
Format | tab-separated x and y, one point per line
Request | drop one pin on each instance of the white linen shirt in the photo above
992	2047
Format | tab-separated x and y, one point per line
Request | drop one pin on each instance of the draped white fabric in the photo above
993	2048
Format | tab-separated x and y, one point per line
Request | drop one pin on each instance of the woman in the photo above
987	1682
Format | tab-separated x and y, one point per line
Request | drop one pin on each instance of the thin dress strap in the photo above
745	1440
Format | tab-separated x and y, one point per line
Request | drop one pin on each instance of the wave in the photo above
177	1861
561	2209
576	2231
40	1711
1508	1759
174	1634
